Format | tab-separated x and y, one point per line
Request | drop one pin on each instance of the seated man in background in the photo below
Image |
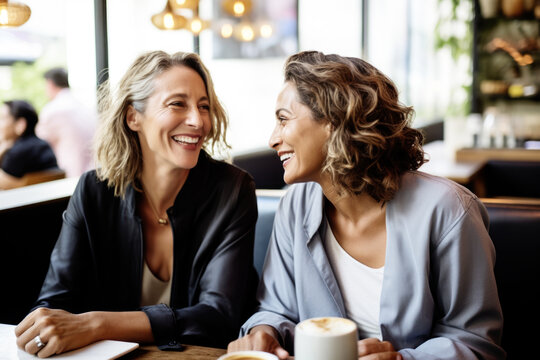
21	152
67	125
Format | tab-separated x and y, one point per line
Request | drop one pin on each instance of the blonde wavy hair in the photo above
372	143
117	149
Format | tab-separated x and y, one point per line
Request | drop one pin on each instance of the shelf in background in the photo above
518	154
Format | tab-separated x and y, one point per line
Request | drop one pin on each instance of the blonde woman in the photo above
362	234
157	243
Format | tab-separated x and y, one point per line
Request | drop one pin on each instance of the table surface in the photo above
441	163
498	154
190	352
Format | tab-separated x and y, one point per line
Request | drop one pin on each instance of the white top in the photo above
154	291
360	286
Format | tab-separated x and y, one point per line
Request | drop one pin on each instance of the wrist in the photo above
96	323
270	330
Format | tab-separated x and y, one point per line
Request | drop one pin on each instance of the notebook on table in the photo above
106	349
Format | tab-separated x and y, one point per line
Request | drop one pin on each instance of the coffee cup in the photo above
326	338
248	355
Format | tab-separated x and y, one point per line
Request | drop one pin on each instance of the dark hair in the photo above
372	143
22	109
58	76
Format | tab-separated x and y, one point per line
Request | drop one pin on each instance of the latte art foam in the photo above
327	326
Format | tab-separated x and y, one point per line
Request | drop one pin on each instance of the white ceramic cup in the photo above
326	338
248	355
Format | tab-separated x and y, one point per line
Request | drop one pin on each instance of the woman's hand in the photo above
261	338
374	349
58	330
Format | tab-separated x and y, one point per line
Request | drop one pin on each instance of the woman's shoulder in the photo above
90	186
424	193
30	143
434	186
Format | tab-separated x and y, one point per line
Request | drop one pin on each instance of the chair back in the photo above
43	176
267	203
512	178
515	232
264	166
30	222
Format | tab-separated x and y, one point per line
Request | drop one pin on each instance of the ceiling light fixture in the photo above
13	14
168	19
184	14
237	8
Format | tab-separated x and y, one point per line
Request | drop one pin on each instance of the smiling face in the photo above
299	140
176	120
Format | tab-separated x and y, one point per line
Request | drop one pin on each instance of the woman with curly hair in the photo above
362	234
156	244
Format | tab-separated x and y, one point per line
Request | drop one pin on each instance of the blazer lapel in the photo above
315	226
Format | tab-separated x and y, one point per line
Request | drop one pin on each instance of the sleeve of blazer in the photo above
69	260
470	319
227	285
277	295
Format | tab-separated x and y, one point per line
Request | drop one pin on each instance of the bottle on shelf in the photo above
474	129
497	130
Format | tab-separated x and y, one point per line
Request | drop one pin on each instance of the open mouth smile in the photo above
285	157
187	140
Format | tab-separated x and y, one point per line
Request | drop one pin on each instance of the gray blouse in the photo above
439	297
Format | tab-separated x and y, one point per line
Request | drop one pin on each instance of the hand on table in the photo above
261	338
58	330
374	349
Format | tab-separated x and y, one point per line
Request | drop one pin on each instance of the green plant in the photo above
27	83
454	33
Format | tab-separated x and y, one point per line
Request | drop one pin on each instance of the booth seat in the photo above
30	222
512	178
267	203
515	232
264	166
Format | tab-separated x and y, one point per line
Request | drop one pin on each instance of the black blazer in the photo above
97	261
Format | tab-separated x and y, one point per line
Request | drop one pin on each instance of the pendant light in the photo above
196	25
245	31
184	4
168	19
237	8
13	14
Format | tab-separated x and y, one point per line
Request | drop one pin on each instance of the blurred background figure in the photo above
21	152
67	124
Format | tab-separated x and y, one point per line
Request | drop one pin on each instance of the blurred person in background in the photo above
21	152
66	124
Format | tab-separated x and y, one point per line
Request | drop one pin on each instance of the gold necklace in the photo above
160	220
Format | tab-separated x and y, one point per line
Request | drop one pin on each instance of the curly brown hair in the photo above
372	143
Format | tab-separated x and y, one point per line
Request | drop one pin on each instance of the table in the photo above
517	154
38	194
191	352
441	163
